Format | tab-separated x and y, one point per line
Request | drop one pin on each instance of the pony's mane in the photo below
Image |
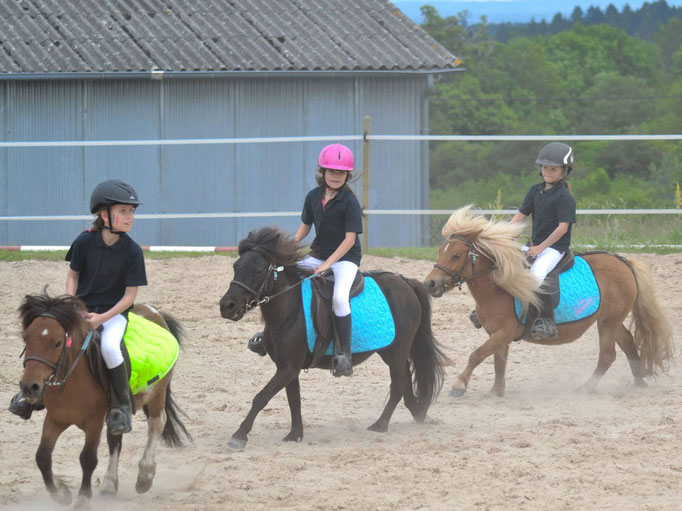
498	239
66	309
273	244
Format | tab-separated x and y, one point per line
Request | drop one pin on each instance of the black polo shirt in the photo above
549	208
105	271
342	214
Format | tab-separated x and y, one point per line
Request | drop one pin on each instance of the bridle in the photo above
63	356
258	297
457	277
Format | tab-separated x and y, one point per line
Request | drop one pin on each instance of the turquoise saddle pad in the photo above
373	326
579	294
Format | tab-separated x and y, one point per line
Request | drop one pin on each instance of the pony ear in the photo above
472	236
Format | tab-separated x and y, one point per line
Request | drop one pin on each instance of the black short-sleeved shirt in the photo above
342	214
549	208
105	271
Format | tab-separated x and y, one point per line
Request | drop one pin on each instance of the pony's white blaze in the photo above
446	247
45	332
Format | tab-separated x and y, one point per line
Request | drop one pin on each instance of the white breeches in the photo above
112	334
344	275
544	263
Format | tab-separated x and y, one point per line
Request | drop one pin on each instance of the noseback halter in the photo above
457	277
61	362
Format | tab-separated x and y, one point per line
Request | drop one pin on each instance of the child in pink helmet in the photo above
335	211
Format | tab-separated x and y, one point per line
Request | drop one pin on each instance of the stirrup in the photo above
119	421
342	365
474	319
255	344
544	328
19	406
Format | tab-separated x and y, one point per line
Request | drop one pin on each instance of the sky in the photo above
516	11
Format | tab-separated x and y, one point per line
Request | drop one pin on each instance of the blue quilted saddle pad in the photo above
579	294
373	327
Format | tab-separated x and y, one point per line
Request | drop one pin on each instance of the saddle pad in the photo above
579	294
152	349
373	327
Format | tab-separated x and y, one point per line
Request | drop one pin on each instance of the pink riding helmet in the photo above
336	156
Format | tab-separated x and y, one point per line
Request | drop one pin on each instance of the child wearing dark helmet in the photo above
335	211
106	268
553	212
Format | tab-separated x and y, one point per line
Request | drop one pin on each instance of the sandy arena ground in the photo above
542	447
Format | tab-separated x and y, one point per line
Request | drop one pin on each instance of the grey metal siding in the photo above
206	178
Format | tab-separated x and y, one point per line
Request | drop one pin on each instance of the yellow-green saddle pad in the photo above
152	349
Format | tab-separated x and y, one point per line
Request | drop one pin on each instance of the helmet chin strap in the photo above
108	227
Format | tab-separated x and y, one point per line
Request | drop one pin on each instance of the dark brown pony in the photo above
484	255
66	378
266	273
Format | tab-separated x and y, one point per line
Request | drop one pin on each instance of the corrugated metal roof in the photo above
80	36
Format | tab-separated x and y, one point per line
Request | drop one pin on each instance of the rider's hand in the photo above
322	268
94	320
534	251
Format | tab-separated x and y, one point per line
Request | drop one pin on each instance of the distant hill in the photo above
513	11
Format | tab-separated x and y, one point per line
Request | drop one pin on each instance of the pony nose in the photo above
32	390
226	307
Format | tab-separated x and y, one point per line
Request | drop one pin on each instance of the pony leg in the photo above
409	398
58	490
88	459
281	378
397	371
294	399
494	344
155	424
500	370
607	353
627	343
110	481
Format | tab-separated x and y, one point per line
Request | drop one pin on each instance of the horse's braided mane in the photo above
66	309
274	245
498	239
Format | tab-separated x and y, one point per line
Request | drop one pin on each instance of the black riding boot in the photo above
544	326
343	365
119	419
256	344
19	406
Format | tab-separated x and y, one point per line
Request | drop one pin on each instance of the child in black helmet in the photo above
553	210
106	268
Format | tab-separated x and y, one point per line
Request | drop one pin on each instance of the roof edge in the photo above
162	75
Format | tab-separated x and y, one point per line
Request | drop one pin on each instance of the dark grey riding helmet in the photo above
556	154
112	191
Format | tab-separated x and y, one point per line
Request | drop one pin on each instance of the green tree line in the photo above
594	79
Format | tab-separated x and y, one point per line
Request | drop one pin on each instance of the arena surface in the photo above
542	447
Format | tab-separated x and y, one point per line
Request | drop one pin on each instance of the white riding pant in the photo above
112	334
544	263
344	275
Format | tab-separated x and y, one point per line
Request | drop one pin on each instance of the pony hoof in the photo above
62	494
293	437
82	502
378	427
237	444
144	483
455	392
109	488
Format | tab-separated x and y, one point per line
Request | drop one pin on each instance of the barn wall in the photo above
206	178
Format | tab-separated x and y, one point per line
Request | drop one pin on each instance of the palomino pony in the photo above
67	379
484	255
266	274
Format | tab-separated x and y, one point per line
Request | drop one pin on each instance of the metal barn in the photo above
129	70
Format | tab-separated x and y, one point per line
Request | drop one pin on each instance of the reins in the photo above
52	380
457	278
257	294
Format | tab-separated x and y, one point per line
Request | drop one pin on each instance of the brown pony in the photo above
67	381
484	255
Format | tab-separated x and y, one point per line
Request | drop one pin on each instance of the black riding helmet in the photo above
556	154
112	191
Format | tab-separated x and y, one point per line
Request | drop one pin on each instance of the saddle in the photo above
321	310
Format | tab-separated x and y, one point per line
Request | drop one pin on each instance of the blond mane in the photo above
499	240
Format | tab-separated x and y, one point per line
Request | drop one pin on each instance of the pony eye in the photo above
58	344
456	256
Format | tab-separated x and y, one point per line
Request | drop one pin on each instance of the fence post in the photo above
367	126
